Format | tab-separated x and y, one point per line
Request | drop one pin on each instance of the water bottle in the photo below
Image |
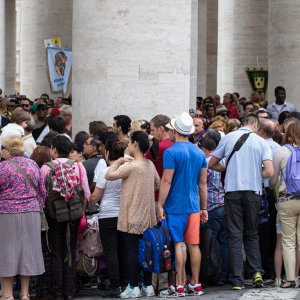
167	259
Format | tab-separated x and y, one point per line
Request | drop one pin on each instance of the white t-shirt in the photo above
110	201
100	166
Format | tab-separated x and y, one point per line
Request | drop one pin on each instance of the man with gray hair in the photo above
66	114
267	226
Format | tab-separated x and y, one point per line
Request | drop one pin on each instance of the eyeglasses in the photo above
25	105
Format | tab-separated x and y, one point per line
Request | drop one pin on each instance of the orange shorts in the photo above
192	233
185	227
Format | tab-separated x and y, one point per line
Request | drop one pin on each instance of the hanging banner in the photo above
59	66
258	79
54	42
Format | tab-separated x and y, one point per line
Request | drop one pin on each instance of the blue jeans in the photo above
216	224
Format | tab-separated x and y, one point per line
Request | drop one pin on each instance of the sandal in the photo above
7	298
24	297
288	284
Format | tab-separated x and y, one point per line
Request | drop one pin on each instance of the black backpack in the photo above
211	262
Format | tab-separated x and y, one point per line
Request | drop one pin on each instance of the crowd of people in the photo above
220	166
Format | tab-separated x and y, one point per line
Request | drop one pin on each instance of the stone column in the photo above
41	19
284	49
8	46
244	36
212	47
250	41
2	45
202	39
225	47
133	58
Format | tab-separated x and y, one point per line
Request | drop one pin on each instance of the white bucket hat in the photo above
182	124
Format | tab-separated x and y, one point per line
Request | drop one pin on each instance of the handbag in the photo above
44	223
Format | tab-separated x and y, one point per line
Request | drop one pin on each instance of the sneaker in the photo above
147	291
258	280
194	289
237	287
131	292
173	292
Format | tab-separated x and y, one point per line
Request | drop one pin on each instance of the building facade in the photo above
146	57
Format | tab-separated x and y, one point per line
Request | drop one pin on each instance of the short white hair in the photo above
66	109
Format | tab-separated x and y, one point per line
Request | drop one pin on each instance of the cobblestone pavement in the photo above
223	293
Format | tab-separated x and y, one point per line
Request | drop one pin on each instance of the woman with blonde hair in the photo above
136	125
22	194
219	125
288	205
232	125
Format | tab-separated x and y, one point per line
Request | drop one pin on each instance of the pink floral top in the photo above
16	194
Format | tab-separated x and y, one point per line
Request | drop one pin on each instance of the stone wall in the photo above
133	57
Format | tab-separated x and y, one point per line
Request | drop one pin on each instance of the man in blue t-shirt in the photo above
184	178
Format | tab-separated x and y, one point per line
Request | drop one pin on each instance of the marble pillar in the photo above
250	41
8	46
133	58
284	49
42	19
2	45
202	57
244	43
225	47
212	47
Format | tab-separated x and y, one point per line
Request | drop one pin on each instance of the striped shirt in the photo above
215	190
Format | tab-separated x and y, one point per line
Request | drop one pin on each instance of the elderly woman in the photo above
22	192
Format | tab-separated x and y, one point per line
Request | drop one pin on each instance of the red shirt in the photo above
234	112
162	146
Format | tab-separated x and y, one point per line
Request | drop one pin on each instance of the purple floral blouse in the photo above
16	194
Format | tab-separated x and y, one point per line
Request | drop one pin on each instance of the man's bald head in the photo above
268	127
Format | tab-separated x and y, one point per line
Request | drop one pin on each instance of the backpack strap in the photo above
290	147
237	146
51	165
70	162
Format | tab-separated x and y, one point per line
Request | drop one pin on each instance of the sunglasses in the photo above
10	105
224	115
25	105
42	108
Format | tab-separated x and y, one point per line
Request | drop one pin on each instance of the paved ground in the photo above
223	293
